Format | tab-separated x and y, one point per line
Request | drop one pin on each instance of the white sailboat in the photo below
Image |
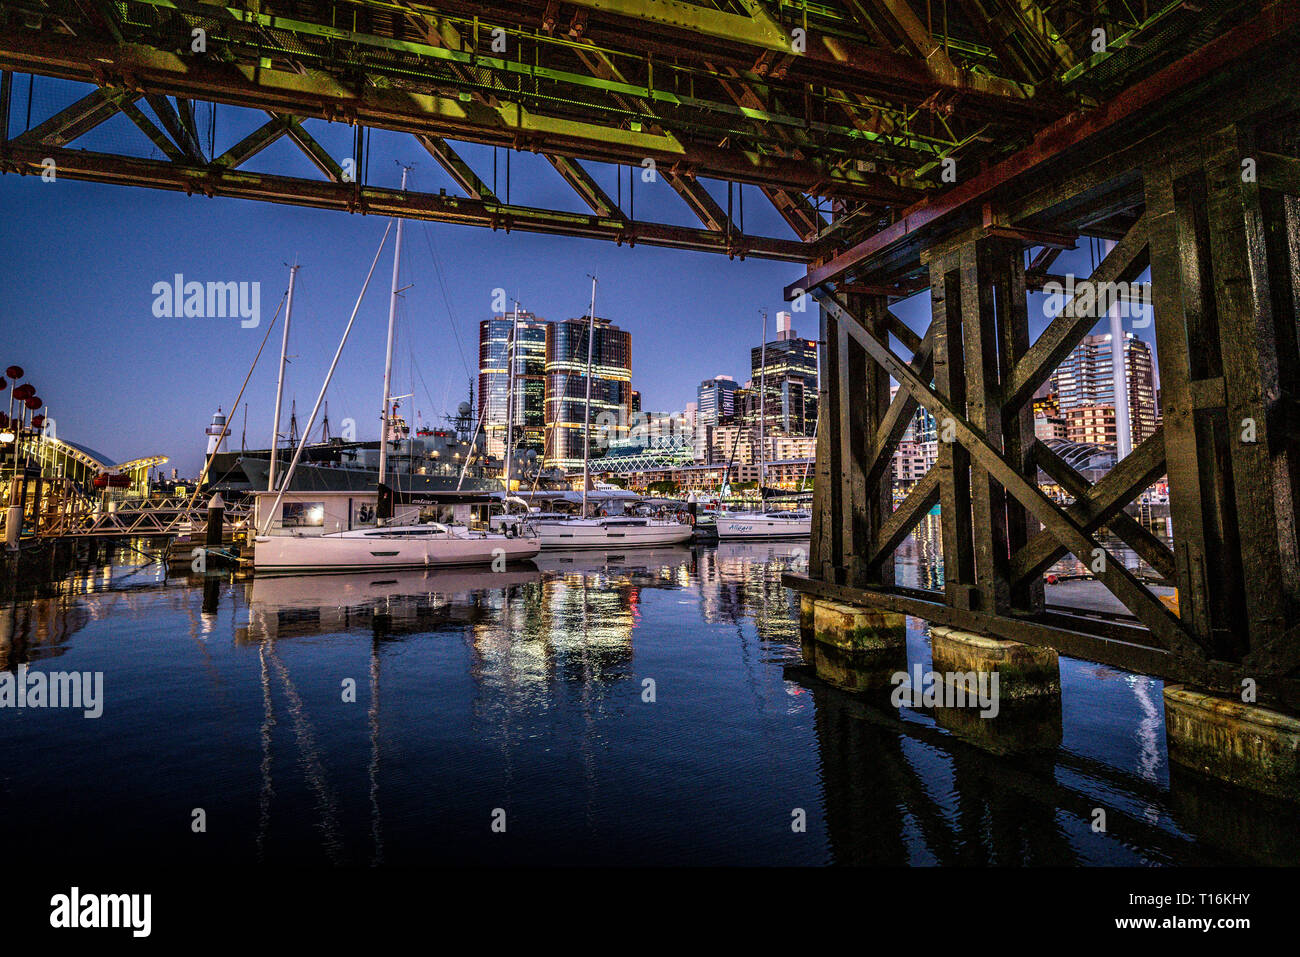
614	531
428	545
734	525
385	546
763	523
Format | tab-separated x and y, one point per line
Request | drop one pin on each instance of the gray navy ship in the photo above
431	460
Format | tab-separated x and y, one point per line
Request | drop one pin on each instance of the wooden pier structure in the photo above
949	146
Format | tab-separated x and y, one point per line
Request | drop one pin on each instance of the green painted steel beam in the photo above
503	65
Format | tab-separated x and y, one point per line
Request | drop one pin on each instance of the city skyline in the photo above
102	327
97	322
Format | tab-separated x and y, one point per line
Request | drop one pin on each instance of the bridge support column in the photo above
1223	738
853	647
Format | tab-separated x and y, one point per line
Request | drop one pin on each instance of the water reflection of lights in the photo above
524	687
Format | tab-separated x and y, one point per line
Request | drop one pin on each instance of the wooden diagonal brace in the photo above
1135	535
1124	263
919	500
1164	627
899	415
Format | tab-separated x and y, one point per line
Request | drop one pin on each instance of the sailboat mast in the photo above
762	412
279	384
510	396
586	415
388	369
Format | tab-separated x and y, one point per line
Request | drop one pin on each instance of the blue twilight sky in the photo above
76	305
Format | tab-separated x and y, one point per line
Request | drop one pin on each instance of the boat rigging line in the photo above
311	421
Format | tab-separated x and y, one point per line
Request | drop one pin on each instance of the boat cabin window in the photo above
302	515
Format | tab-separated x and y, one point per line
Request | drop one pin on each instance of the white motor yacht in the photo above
615	531
733	525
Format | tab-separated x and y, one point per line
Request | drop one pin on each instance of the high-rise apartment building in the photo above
1086	379
494	352
918	448
566	389
1091	425
716	401
791	379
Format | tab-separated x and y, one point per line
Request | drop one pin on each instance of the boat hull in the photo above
579	535
290	553
745	526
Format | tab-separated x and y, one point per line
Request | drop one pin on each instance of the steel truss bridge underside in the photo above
844	114
954	148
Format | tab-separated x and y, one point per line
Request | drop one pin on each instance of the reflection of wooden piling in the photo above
211	595
1020	724
807	644
1227	739
1244	826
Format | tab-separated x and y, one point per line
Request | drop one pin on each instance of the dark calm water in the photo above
477	694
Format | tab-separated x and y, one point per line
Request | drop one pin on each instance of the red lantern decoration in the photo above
24	391
38	421
34	403
14	372
4	419
3	383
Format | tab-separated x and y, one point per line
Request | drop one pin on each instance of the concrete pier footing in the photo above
852	647
862	649
807	607
1244	744
1024	671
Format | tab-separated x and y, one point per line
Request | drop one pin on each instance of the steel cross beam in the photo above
834	59
312	93
691	191
458	169
1276	23
99	105
218	180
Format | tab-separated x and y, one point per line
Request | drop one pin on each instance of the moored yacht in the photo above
762	523
788	524
384	545
615	531
397	546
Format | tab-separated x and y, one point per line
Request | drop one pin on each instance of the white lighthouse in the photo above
216	433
